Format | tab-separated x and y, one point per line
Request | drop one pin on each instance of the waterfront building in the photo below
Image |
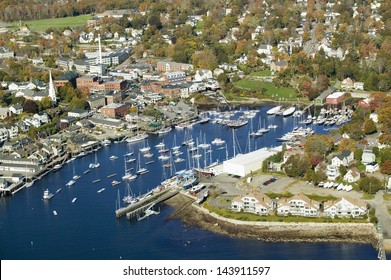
78	113
115	110
256	203
320	100
174	77
243	164
332	172
298	205
345	207
335	98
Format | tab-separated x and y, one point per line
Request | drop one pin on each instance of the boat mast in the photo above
233	142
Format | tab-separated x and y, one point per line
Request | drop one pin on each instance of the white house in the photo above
203	75
347	83
257	203
353	175
266	49
345	158
4	112
358	86
16	109
345	207
372	167
298	205
368	157
332	172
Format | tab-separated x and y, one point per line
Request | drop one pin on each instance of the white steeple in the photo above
52	91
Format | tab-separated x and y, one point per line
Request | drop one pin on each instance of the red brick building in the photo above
335	98
87	82
115	110
166	66
115	85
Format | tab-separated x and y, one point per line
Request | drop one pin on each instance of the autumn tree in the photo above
347	144
205	59
385	167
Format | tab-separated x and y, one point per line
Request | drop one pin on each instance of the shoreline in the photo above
193	215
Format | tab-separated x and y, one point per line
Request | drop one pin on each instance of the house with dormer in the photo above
345	207
353	175
256	203
298	205
203	75
345	158
16	109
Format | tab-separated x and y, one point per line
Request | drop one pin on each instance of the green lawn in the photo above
270	90
43	24
263	73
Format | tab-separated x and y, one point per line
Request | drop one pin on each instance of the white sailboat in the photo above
75	177
96	164
128	175
140	170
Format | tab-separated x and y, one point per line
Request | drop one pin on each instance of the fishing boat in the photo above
289	111
101	190
115	182
273	110
47	195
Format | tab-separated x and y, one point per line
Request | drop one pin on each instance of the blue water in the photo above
88	229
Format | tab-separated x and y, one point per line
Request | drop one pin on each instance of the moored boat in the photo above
47	195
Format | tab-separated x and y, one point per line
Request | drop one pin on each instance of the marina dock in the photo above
134	209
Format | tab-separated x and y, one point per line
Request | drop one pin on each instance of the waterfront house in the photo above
320	100
345	158
298	205
368	157
256	203
345	207
372	167
353	175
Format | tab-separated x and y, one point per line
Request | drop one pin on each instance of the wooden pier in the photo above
133	210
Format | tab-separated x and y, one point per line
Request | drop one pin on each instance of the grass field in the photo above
263	73
43	24
269	89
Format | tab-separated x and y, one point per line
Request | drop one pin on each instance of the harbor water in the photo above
87	228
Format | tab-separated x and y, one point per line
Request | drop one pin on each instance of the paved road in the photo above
382	213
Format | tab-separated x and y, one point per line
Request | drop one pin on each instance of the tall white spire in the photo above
100	50
52	91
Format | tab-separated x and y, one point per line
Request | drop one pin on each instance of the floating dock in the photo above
133	210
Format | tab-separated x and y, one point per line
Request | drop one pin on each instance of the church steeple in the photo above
52	90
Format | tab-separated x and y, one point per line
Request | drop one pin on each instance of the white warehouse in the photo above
244	164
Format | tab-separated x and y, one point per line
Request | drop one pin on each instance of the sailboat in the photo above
96	164
145	147
138	137
175	146
128	176
75	177
140	170
129	198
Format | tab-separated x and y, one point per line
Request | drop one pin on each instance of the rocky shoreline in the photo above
192	215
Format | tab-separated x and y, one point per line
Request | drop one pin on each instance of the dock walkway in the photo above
134	209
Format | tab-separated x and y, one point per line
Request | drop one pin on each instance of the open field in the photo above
263	73
269	89
43	24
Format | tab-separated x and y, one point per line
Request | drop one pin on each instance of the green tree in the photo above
370	184
385	167
369	127
30	106
297	166
46	103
